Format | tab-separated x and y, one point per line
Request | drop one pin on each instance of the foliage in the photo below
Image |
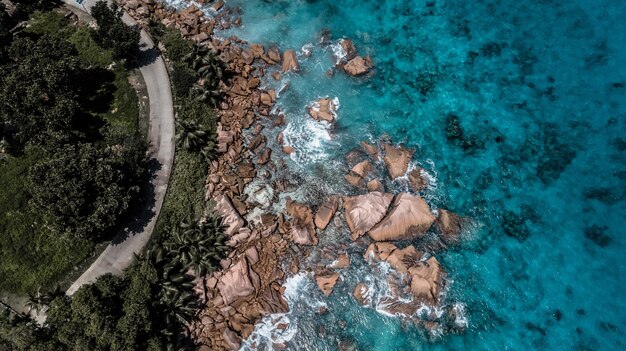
57	94
183	79
18	333
210	70
85	190
30	255
185	192
176	46
51	23
88	50
39	92
112	32
197	245
118	313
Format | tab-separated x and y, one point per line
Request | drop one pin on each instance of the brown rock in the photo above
363	212
326	281
427	281
397	160
357	66
449	225
342	261
254	82
410	217
375	185
218	5
302	224
231	339
416	182
290	61
288	149
323	109
265	157
354	179
370	149
379	251
238	282
325	213
402	259
276	75
266	99
361	294
274	54
362	168
230	217
348	48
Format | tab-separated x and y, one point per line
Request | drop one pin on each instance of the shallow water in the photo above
538	90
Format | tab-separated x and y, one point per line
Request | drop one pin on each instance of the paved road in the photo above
120	253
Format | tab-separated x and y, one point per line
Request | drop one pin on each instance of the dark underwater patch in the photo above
597	234
605	195
514	226
456	135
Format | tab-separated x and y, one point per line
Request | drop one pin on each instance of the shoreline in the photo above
251	283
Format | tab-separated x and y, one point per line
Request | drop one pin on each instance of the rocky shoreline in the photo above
268	247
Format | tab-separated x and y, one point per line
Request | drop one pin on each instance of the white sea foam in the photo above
306	50
461	319
339	54
267	331
308	138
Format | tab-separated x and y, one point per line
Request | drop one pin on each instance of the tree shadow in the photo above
96	90
147	57
143	209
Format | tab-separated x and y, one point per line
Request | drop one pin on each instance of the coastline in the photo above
268	248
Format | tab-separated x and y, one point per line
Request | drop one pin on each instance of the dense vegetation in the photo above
195	126
150	306
71	152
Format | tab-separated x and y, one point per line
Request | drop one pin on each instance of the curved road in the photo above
121	252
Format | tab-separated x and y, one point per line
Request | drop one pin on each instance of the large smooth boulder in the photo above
324	109
290	61
363	212
427	280
401	259
302	224
409	218
239	282
231	219
325	213
397	160
449	224
357	66
326	281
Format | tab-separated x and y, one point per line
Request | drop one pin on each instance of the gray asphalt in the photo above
132	239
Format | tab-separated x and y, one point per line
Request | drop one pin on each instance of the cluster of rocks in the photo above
350	61
249	285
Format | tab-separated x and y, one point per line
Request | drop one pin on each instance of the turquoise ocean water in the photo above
537	89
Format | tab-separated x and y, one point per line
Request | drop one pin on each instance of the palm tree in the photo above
40	300
190	135
198	245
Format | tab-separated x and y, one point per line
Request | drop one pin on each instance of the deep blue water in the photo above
538	89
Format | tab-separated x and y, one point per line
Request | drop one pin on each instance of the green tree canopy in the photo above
112	32
38	94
